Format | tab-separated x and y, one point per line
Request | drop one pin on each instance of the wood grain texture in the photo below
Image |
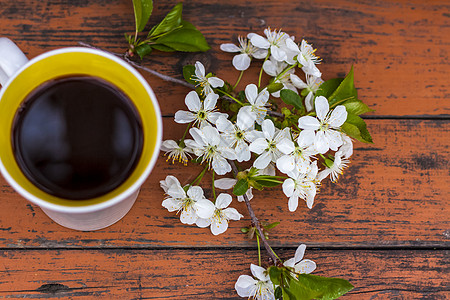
210	274
400	50
394	194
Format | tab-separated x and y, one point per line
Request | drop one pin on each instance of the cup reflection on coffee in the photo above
82	133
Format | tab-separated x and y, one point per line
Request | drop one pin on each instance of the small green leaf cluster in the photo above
292	286
342	91
247	179
171	34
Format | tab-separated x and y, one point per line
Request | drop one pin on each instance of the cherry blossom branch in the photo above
126	57
255	222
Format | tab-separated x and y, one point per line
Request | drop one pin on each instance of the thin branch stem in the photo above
238	80
255	221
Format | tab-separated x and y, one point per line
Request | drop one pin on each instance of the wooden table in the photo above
384	226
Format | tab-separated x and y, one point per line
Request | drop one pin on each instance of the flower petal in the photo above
215	82
305	267
205	208
286	163
289	263
245	286
218	227
338	116
322	107
245	118
293	203
251	92
277	53
171	204
192	101
309	104
334	139
259	41
221	166
291	45
210	101
184	117
321	142
268	128
288	187
241	61
299	253
263	160
211	135
198	136
168	182
306	138
270	68
260	53
225	183
195	193
258	146
230	48
223	200
308	123
203	223
199	70
168	145
259	272
232	214
188	216
298	83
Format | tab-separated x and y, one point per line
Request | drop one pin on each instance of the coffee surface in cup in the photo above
77	137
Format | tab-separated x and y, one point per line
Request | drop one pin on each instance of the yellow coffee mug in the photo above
19	77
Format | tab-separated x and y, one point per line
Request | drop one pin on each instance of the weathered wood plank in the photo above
210	274
394	194
399	49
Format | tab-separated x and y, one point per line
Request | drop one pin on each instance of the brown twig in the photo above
255	222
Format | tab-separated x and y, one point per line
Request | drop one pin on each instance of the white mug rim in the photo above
131	189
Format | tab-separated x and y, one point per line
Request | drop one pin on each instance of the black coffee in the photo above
77	137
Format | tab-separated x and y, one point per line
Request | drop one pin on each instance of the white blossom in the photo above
199	112
258	287
273	40
346	150
257	110
192	203
311	86
218	222
209	145
340	163
305	57
266	146
246	49
301	266
301	185
207	83
326	125
296	156
275	68
238	135
175	151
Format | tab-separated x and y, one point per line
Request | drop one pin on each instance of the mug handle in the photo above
11	59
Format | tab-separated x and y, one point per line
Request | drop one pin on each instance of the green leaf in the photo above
328	87
170	22
241	187
273	225
188	73
275	274
346	91
356	128
187	39
278	293
291	98
323	288
267	181
274	87
143	50
357	107
142	12
163	48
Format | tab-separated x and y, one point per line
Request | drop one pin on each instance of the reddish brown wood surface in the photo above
210	274
384	225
